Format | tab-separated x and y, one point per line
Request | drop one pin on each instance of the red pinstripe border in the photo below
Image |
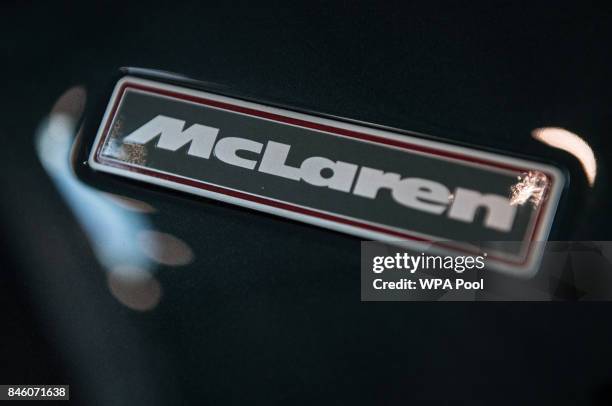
315	126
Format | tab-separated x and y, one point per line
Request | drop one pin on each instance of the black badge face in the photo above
351	178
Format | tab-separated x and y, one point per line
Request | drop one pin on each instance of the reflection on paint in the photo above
164	248
135	288
120	234
567	141
130	204
111	230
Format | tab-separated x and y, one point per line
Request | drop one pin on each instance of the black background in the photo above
270	311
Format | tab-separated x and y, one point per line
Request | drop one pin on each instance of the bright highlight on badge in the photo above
531	187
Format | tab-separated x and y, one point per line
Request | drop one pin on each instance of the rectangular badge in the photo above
361	180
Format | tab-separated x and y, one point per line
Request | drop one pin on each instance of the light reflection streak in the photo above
111	230
565	140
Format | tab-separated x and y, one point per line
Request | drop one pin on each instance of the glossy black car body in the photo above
266	310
